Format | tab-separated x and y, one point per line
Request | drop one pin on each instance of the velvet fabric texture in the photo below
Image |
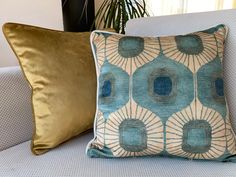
60	70
162	96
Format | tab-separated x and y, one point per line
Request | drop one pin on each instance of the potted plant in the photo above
78	15
115	13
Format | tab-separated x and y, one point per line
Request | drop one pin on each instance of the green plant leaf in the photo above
115	13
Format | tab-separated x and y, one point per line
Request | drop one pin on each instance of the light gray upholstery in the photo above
70	160
15	108
182	24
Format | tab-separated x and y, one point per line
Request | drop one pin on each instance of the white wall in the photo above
44	13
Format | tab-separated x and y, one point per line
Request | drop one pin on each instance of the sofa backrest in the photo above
186	23
16	123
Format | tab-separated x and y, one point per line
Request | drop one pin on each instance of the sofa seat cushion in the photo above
70	160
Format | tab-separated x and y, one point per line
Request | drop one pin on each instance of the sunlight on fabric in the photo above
167	7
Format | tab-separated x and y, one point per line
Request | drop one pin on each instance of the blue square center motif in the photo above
106	88
133	136
196	136
162	85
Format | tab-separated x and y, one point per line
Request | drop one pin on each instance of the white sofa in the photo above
70	159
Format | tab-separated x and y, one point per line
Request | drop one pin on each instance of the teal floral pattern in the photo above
162	96
196	132
192	50
134	131
130	53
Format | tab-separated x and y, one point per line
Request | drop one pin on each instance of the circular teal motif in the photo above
182	87
133	135
197	136
113	89
189	44
130	46
107	88
211	87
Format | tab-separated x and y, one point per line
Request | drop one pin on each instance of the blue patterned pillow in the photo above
161	96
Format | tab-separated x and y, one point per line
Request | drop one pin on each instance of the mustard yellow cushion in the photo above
61	72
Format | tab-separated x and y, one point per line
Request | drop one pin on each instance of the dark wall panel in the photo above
74	18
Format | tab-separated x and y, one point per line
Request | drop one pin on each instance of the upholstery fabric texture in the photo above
15	108
60	70
69	160
162	96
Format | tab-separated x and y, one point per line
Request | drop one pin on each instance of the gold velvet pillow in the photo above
60	70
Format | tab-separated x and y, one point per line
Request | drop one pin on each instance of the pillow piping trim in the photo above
97	91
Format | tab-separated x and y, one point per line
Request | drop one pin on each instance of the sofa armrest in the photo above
15	108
